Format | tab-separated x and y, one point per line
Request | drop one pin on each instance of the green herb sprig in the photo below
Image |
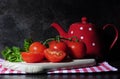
13	54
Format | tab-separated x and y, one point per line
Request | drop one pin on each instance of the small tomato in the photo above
77	49
37	47
59	45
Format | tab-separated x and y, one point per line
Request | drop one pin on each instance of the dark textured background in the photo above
20	19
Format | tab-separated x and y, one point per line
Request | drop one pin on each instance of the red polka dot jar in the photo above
88	33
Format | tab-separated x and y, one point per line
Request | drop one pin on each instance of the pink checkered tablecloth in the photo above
101	67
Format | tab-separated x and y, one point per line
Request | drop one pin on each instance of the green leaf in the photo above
27	43
12	54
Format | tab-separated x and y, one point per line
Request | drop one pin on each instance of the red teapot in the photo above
90	35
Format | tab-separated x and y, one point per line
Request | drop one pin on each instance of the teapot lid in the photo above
84	20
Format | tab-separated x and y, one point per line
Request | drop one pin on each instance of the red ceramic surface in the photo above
88	33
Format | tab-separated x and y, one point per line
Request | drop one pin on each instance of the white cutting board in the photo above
43	66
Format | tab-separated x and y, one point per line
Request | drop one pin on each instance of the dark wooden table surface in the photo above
105	75
110	75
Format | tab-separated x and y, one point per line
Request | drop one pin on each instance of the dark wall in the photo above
20	19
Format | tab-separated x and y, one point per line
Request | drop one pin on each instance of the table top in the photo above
110	75
103	75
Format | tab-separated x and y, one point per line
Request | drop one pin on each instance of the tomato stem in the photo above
76	39
46	41
66	38
58	38
71	39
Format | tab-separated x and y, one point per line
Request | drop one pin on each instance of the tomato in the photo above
59	45
37	47
54	55
77	49
32	57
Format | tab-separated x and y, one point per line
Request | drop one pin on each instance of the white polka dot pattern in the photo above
90	29
81	28
93	44
81	37
72	32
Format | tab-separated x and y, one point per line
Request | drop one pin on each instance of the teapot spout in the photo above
60	30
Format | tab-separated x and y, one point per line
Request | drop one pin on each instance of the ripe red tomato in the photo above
54	55
77	49
59	45
32	57
37	47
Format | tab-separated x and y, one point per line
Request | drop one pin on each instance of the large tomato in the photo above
37	47
54	55
32	57
76	49
59	45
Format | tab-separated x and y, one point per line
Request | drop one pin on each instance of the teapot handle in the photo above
116	34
